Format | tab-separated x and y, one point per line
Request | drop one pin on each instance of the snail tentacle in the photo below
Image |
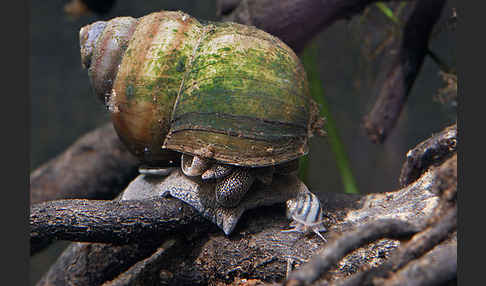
194	165
306	213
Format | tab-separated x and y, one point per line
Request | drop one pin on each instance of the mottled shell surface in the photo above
220	90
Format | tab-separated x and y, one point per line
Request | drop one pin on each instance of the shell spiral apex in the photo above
176	84
103	45
88	35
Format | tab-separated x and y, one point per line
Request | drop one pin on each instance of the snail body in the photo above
306	214
221	93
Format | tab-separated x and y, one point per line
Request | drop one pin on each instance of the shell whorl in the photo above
173	83
102	47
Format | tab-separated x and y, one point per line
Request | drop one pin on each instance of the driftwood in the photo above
295	22
430	152
437	228
96	166
199	253
110	221
95	263
335	251
435	268
162	241
404	70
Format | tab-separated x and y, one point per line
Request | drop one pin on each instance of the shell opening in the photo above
88	35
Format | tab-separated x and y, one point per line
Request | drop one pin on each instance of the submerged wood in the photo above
259	250
405	68
296	22
429	152
96	166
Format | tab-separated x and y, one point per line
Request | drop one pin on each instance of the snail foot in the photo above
200	195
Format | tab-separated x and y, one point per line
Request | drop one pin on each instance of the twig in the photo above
337	249
406	66
96	166
257	238
429	152
110	221
144	272
416	247
424	241
443	66
435	268
217	253
440	224
95	263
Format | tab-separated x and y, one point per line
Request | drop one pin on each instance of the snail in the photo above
306	213
230	102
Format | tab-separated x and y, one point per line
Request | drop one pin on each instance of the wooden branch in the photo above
349	241
145	272
95	263
110	221
170	243
293	21
441	222
126	221
437	267
258	249
432	151
416	247
424	241
405	68
96	166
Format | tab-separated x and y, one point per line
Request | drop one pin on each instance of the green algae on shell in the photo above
226	91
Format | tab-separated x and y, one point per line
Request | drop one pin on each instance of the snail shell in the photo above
220	90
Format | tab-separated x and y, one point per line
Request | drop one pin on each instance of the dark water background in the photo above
63	106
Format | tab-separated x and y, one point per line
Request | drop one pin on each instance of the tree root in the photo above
336	250
259	250
439	226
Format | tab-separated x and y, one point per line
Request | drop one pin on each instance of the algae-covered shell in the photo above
225	91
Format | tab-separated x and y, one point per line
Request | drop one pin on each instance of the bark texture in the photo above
406	66
110	221
295	22
372	240
430	152
96	166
